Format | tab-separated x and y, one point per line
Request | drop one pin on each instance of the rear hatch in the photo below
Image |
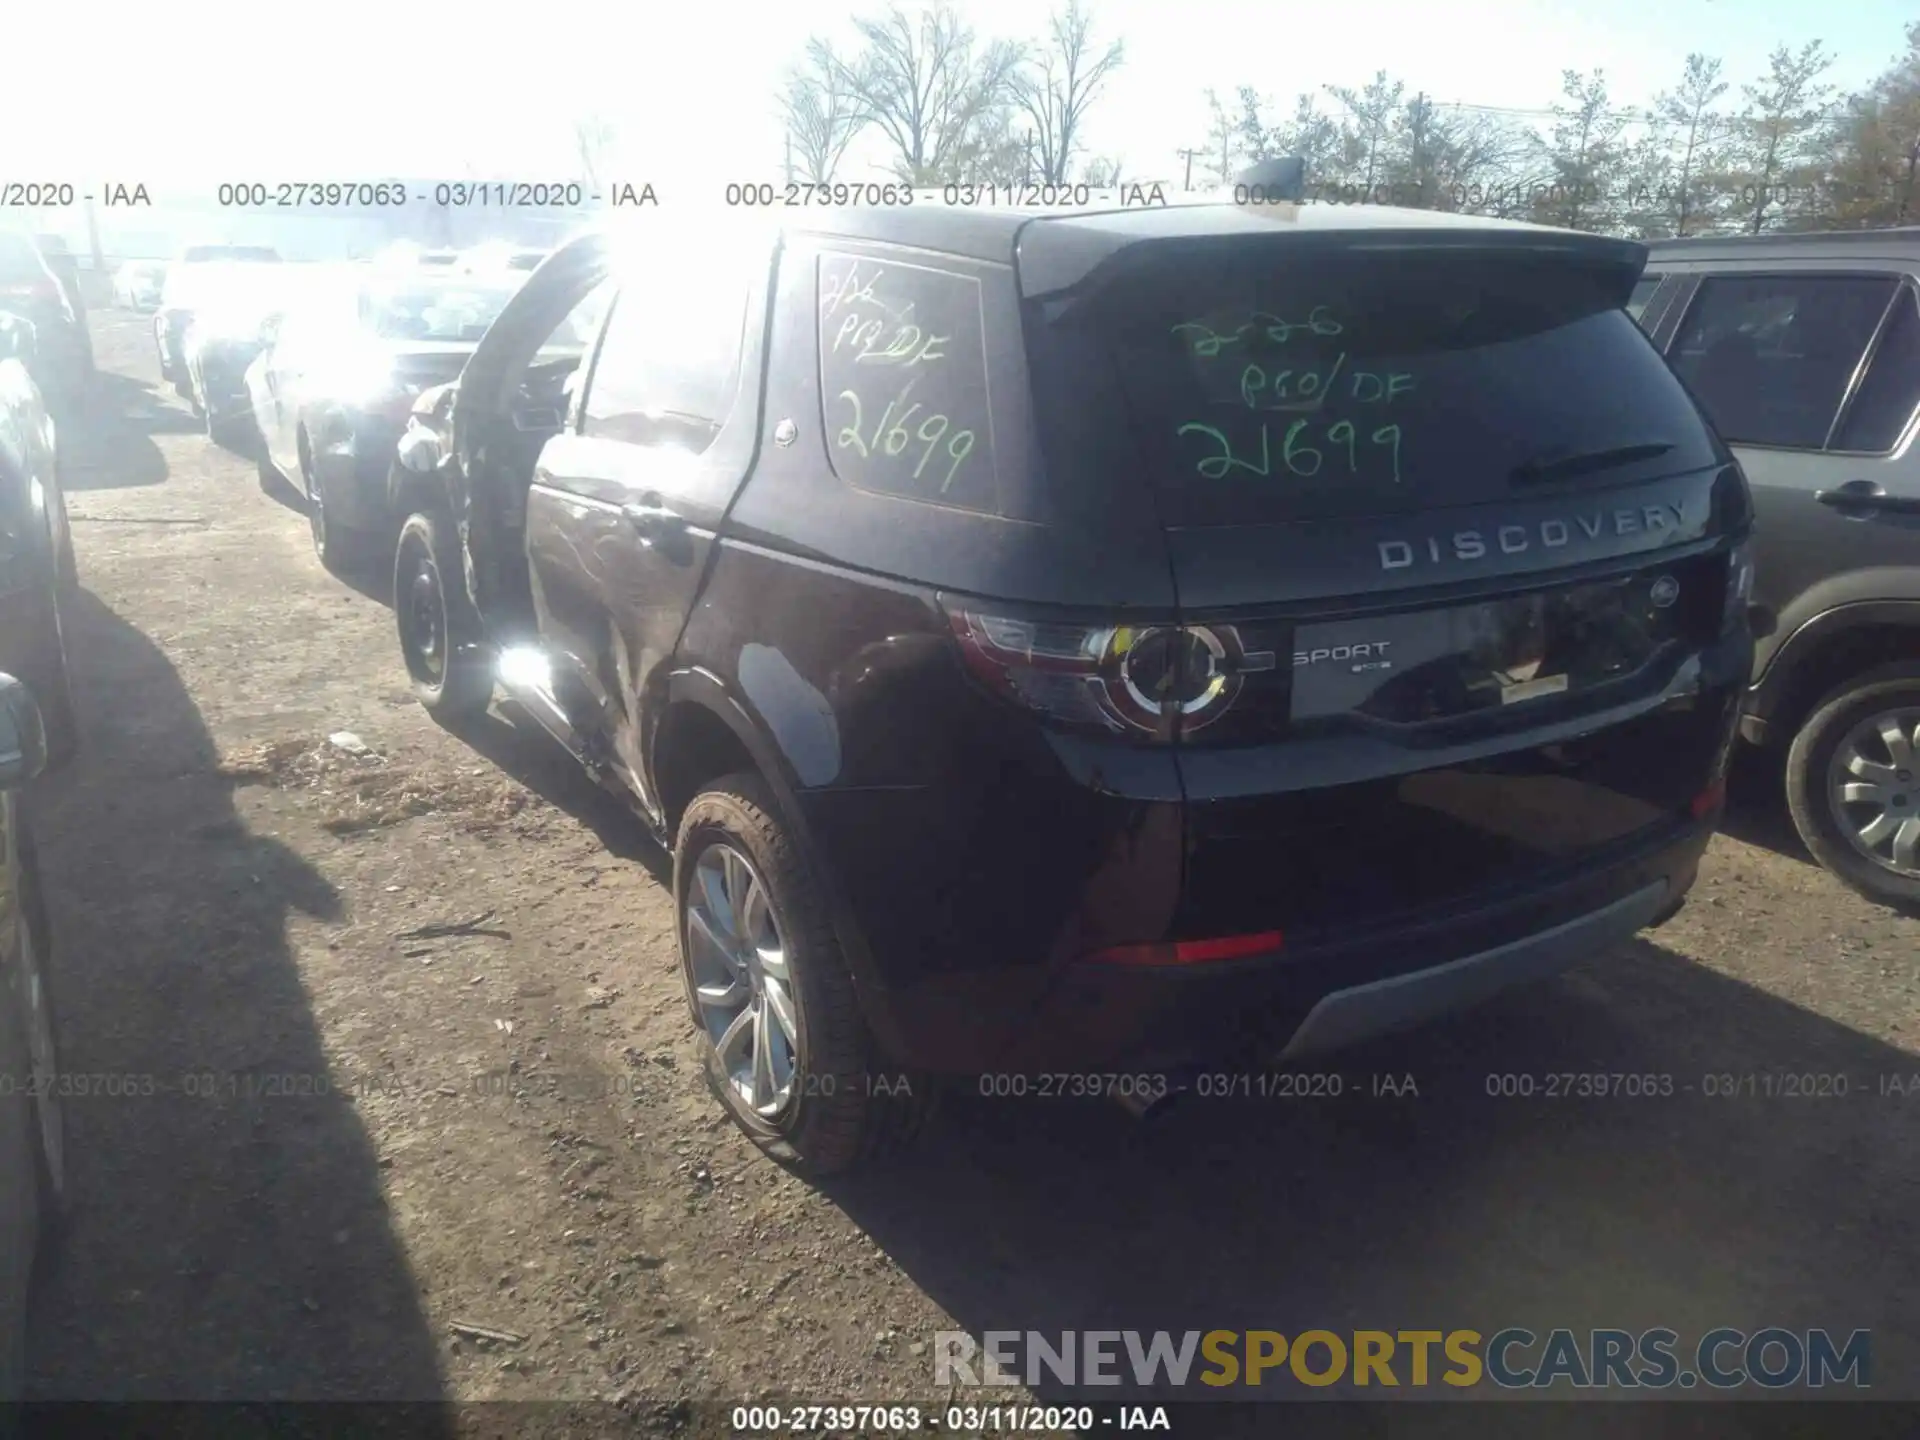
1443	530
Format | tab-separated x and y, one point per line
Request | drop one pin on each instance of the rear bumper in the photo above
1378	1007
1296	1003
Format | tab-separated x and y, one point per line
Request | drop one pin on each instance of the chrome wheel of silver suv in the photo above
1873	784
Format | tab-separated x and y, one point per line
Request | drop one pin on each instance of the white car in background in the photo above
138	284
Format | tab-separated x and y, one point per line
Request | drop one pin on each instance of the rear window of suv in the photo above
903	372
1261	387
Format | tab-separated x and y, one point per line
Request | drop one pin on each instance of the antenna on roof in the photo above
1283	179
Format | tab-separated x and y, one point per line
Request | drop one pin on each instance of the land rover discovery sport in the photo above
1096	641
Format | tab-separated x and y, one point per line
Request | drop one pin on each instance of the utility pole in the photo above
1188	155
789	157
93	239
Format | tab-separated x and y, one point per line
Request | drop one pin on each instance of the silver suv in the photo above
1804	351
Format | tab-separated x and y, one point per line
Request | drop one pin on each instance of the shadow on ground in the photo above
1757	805
106	439
240	1179
1454	1208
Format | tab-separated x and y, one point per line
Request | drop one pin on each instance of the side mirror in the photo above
23	735
18	341
419	450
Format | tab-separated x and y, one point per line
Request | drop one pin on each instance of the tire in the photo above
1831	830
49	1153
339	549
226	431
842	1106
66	564
52	688
446	658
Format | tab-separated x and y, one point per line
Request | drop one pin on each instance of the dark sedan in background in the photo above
330	396
31	289
137	285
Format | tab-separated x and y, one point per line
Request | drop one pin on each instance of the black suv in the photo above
1804	350
1097	641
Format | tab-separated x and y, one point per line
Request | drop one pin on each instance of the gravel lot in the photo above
366	1137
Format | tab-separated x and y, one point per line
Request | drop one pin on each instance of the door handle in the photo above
1866	495
654	521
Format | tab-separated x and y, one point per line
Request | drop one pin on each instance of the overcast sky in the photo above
353	90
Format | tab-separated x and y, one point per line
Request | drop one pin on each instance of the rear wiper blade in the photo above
1569	467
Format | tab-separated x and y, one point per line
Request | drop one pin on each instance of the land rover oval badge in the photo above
1665	591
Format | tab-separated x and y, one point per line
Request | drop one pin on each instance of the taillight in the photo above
1149	681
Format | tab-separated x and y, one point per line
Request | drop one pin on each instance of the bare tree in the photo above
1695	139
1317	138
1447	161
931	88
1103	172
1256	137
1373	110
1587	156
1780	133
592	142
1058	84
1223	139
822	111
998	150
1876	163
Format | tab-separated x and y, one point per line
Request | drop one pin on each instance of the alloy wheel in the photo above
743	986
1873	787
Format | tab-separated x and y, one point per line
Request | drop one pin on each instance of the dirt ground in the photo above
412	1064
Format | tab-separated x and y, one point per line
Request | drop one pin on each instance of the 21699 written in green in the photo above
1289	398
1298	451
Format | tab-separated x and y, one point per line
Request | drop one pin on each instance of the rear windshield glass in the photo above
1262	388
435	313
